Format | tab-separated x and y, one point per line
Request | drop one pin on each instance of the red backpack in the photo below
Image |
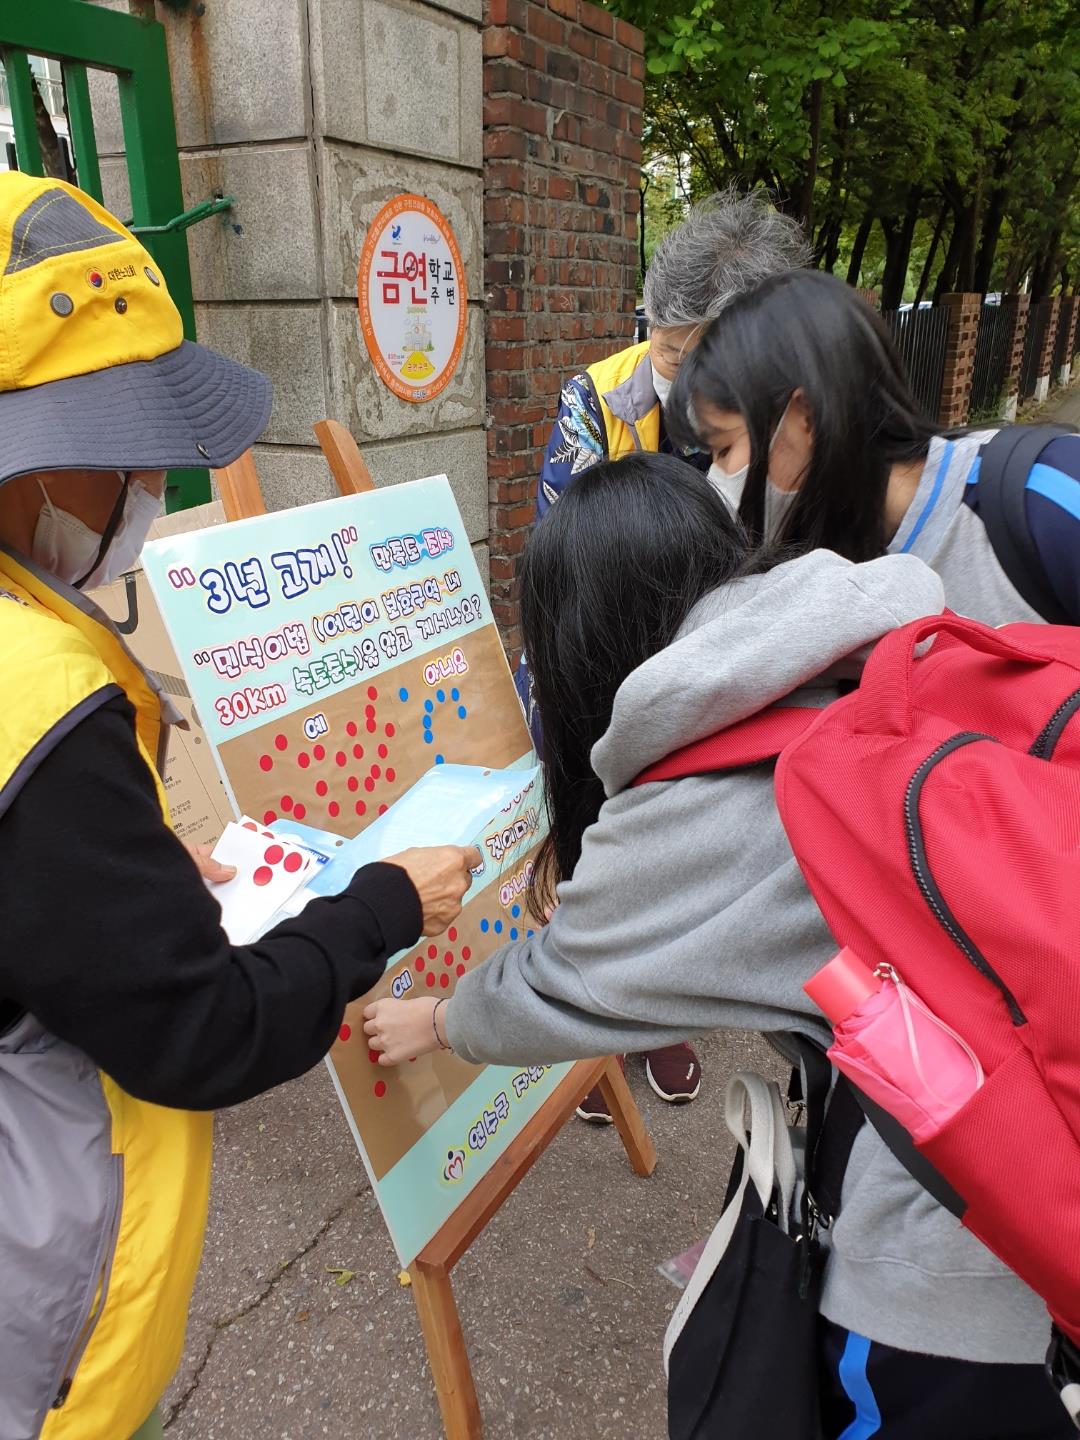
935	815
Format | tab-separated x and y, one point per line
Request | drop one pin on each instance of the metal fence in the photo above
1034	339
920	337
992	349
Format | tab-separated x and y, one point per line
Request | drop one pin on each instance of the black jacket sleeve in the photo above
112	940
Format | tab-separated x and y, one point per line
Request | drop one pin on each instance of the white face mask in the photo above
777	502
67	548
661	386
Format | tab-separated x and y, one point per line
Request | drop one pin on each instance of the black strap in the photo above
1004	466
831	1132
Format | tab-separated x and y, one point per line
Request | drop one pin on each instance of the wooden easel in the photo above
433	1293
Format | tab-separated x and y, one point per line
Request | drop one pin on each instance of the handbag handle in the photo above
770	1161
884	701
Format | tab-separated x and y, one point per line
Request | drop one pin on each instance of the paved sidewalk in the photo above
1062	408
563	1309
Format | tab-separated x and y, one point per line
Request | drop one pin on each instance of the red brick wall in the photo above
959	357
562	156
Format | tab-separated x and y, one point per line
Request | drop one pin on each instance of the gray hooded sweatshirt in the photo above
687	912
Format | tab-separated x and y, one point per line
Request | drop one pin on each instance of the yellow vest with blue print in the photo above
104	1196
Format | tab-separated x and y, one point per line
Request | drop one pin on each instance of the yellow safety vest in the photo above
628	401
58	661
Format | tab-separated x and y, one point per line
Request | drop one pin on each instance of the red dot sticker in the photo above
269	816
389	732
353	784
372	693
433	952
250	825
451	934
369	711
361	807
444	981
265	762
350	728
344	1033
358	752
293	861
273	854
319	752
466	953
340	758
376	772
263	875
369	784
281	742
383	809
299	811
430	981
371	726
380	1089
286	803
373	1056
321	787
333	809
391	776
303	759
420	967
383	752
460	971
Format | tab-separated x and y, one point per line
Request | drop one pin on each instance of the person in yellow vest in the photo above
126	1016
726	245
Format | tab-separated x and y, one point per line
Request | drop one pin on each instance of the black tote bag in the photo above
741	1348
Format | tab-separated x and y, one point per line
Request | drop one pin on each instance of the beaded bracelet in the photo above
435	1027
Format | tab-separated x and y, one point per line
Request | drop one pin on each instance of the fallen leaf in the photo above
303	1315
404	1279
592	1237
342	1275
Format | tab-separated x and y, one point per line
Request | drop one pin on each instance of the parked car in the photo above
641	325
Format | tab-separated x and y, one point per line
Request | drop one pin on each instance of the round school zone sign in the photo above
411	292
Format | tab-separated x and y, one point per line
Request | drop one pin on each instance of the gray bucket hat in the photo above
94	371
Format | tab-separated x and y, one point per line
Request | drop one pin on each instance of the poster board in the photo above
337	655
198	804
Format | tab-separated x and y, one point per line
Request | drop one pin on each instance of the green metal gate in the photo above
82	36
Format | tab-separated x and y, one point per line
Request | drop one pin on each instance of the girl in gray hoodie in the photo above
649	625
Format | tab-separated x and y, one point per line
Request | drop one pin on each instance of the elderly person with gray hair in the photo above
727	244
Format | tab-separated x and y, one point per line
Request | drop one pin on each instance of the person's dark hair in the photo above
808	331
609	576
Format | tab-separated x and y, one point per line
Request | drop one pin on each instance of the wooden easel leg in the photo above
627	1117
449	1360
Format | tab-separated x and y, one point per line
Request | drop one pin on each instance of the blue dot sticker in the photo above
513	934
428	706
485	926
515	910
529	934
498	927
403	694
428	737
455	695
427	722
462	712
440	695
440	759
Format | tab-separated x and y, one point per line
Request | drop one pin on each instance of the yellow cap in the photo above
78	293
95	372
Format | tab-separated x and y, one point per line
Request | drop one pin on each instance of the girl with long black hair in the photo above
652	622
798	391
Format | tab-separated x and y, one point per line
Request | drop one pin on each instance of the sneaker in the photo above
674	1073
593	1109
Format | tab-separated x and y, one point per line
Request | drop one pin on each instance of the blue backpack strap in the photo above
1004	467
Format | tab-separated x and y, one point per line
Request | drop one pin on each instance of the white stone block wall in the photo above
314	113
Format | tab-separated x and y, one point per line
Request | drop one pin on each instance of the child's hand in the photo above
402	1029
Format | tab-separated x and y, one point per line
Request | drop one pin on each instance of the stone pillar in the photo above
314	113
963	312
1018	308
562	156
1066	338
1046	352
